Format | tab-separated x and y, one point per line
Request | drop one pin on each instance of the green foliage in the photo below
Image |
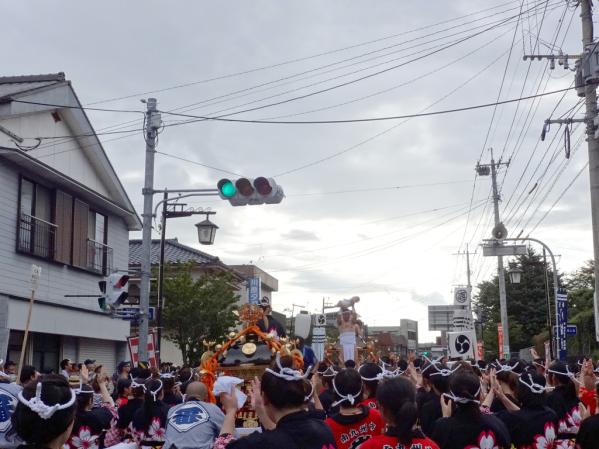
197	308
580	285
526	303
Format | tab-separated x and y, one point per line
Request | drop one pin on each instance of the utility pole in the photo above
590	92
153	123
499	233
467	253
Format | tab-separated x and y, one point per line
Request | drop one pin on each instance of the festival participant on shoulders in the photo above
45	413
284	394
564	400
354	423
371	374
463	425
397	403
149	422
348	329
308	355
195	423
534	424
268	324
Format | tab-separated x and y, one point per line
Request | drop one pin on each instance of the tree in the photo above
197	309
526	304
581	285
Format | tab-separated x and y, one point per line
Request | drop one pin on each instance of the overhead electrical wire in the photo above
301	59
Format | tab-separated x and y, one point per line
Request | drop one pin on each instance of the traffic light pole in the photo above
152	123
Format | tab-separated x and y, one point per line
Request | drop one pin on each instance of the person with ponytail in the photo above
396	399
149	422
534	423
463	425
45	413
564	400
354	423
284	392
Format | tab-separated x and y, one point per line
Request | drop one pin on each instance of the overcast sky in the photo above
393	247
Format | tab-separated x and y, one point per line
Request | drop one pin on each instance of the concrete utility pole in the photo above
153	123
483	170
590	92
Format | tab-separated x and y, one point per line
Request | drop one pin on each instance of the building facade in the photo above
62	208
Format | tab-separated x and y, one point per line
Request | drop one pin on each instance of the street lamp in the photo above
206	231
515	274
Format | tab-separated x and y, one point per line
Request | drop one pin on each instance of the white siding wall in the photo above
65	155
57	280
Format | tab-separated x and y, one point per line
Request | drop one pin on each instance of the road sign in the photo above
571	330
133	312
491	250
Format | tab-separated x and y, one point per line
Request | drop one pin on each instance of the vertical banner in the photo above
500	339
561	319
253	285
133	343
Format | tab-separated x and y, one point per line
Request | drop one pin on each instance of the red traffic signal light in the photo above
262	186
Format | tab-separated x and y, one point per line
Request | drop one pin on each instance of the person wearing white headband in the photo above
371	375
283	391
326	373
355	423
564	399
149	422
90	422
534	420
435	377
463	425
134	403
45	412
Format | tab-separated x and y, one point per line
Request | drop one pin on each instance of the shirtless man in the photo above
348	329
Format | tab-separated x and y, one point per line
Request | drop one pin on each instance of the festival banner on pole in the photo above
253	286
561	319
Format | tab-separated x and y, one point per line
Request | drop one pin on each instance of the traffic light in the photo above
115	289
248	191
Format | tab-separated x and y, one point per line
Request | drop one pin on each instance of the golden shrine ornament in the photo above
249	348
250	314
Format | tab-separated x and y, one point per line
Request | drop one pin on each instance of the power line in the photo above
295	60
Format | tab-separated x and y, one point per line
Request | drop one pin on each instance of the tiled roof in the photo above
173	252
12	85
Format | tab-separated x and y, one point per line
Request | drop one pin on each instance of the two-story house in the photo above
62	207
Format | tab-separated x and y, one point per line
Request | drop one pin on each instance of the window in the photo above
97	250
56	226
36	229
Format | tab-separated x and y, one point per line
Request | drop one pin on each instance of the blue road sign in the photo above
132	313
253	285
571	330
561	312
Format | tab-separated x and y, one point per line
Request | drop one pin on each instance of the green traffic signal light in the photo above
227	188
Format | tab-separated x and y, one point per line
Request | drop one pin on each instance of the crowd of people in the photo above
391	404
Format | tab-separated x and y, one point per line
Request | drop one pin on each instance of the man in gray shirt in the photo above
8	403
195	423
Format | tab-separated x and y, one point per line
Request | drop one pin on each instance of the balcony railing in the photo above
99	257
36	236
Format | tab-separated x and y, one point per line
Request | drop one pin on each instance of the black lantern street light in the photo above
515	274
206	230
